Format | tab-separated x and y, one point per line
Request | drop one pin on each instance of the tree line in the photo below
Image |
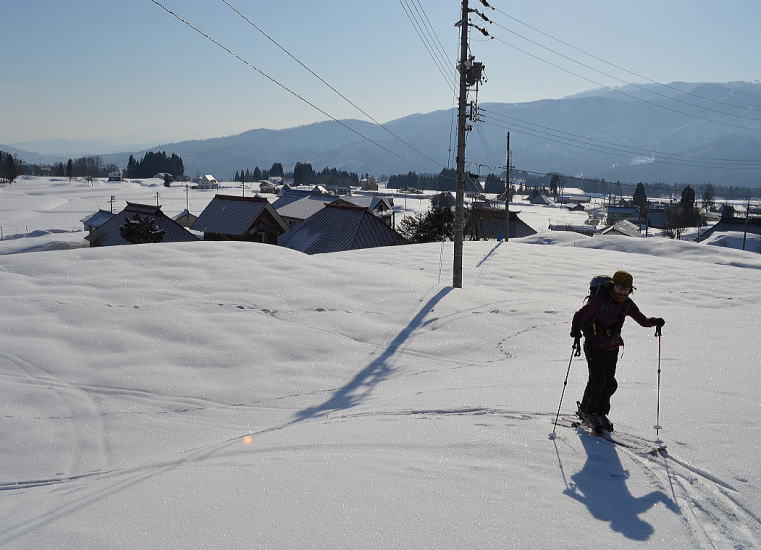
303	174
276	171
8	168
154	163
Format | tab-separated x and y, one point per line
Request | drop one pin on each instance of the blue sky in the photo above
125	71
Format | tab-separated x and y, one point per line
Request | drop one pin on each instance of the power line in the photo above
579	144
625	81
279	84
620	67
676	156
441	66
276	43
621	92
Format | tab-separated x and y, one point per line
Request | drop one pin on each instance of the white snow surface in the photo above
238	395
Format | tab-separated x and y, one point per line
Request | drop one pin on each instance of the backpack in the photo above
597	282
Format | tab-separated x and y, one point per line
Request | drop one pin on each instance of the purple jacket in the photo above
601	319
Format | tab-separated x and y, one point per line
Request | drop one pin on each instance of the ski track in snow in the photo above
712	513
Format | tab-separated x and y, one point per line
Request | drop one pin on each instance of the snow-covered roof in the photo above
108	234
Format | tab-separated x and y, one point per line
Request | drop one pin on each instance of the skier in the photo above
600	321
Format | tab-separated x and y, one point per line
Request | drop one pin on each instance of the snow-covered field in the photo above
236	395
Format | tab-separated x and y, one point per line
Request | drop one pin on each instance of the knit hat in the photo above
623	279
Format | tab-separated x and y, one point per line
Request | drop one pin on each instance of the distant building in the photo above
443	200
381	206
368	184
230	218
296	211
337	228
538	197
185	218
622	227
489	223
109	234
94	221
207	181
116	175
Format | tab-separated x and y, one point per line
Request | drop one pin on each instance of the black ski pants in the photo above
602	379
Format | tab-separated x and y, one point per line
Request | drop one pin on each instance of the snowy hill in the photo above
238	395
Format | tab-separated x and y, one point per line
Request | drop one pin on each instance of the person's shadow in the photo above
601	486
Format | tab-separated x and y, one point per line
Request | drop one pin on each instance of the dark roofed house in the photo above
340	227
443	200
731	224
230	218
295	212
109	234
622	227
185	218
489	223
381	206
94	221
537	197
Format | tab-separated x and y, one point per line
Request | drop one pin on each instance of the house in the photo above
268	187
587	230
538	197
207	181
381	206
622	227
229	218
288	195
740	227
94	221
578	207
368	184
489	223
116	175
296	211
185	218
109	234
339	227
444	199
617	213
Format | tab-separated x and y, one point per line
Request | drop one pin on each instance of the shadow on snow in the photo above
601	486
355	391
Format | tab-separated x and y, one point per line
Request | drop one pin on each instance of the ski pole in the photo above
575	350
658	407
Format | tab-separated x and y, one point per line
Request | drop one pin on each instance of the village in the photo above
323	219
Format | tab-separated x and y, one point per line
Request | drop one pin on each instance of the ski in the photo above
634	443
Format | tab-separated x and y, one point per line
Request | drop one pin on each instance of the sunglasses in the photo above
621	291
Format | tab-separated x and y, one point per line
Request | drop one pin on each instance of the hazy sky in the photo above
125	71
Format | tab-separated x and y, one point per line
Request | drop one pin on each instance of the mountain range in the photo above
676	133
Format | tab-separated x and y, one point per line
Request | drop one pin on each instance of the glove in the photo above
657	321
575	333
577	346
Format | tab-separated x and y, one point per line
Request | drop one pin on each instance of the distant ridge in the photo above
572	135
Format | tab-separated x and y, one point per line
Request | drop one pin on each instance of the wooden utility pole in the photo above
461	129
507	189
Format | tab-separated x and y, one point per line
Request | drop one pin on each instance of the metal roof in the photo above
304	207
108	234
98	218
230	215
491	224
340	227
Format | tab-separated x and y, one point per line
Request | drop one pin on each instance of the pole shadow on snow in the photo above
365	380
601	486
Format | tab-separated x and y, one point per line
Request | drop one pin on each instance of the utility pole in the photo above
507	189
471	74
157	199
461	129
111	200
